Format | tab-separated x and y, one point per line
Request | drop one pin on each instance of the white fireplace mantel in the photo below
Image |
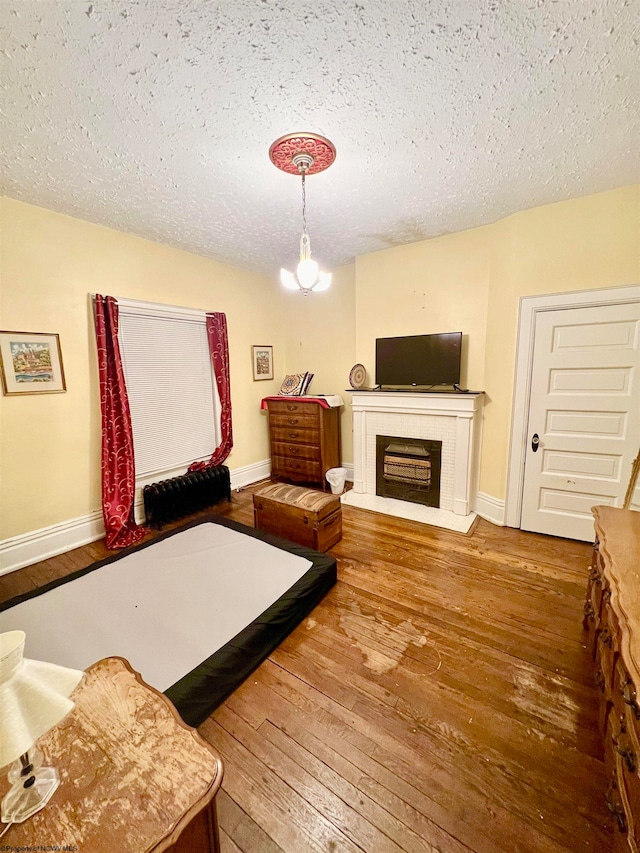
453	418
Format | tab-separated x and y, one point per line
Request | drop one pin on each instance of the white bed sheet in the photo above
165	608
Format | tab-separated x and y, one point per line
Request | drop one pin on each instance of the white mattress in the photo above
165	608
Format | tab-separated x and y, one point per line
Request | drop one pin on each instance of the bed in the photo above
195	610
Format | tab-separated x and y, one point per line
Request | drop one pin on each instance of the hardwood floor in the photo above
440	698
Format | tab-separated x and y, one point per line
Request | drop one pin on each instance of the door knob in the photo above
535	442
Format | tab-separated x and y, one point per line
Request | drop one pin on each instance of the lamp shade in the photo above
33	696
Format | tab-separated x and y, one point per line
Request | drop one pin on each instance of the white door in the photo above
584	416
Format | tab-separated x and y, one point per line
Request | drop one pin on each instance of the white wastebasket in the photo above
336	478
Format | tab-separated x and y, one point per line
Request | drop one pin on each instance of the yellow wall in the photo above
472	281
583	244
320	339
50	443
438	285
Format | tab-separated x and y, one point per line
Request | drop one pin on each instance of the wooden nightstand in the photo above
134	777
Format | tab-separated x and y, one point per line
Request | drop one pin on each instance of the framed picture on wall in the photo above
262	362
31	363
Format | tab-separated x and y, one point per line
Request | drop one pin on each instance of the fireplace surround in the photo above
451	418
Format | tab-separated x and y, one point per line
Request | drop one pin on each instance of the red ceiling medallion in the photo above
285	153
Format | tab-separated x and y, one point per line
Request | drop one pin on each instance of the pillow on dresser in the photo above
307	382
293	385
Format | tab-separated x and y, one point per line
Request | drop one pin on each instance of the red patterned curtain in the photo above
118	469
219	352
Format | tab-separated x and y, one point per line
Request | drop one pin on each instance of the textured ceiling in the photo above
155	117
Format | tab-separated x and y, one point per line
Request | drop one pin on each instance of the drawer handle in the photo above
624	748
595	578
292	408
599	680
293	420
605	637
614	804
293	434
629	697
294	464
293	449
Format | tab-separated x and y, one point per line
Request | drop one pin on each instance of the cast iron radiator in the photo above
170	499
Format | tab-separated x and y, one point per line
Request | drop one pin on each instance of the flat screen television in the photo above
422	360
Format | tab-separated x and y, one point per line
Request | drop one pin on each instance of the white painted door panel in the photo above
585	408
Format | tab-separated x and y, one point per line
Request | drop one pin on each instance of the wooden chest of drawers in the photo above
612	616
305	440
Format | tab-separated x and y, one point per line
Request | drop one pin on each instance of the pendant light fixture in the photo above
304	154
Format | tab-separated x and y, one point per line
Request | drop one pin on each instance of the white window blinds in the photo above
172	395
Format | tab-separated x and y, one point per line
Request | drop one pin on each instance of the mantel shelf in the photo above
451	393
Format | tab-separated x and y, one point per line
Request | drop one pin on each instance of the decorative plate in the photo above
357	376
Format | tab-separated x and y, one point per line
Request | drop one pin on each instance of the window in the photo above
175	410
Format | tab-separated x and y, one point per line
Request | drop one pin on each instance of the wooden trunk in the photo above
304	516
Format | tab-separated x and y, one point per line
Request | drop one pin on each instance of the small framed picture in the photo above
262	362
31	363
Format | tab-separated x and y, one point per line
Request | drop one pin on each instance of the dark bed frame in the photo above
199	692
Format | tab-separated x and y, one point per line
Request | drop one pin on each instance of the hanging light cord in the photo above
304	203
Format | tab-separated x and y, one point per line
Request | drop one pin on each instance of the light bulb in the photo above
307	272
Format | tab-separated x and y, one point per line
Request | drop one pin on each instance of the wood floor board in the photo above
504	741
439	698
539	555
280	703
500	685
386	815
227	845
493	770
497	776
474	764
536	647
362	606
332	797
328	653
15	583
242	832
397	795
229	812
278	807
510	607
458	809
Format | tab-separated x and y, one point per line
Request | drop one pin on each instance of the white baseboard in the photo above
250	474
27	548
490	508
